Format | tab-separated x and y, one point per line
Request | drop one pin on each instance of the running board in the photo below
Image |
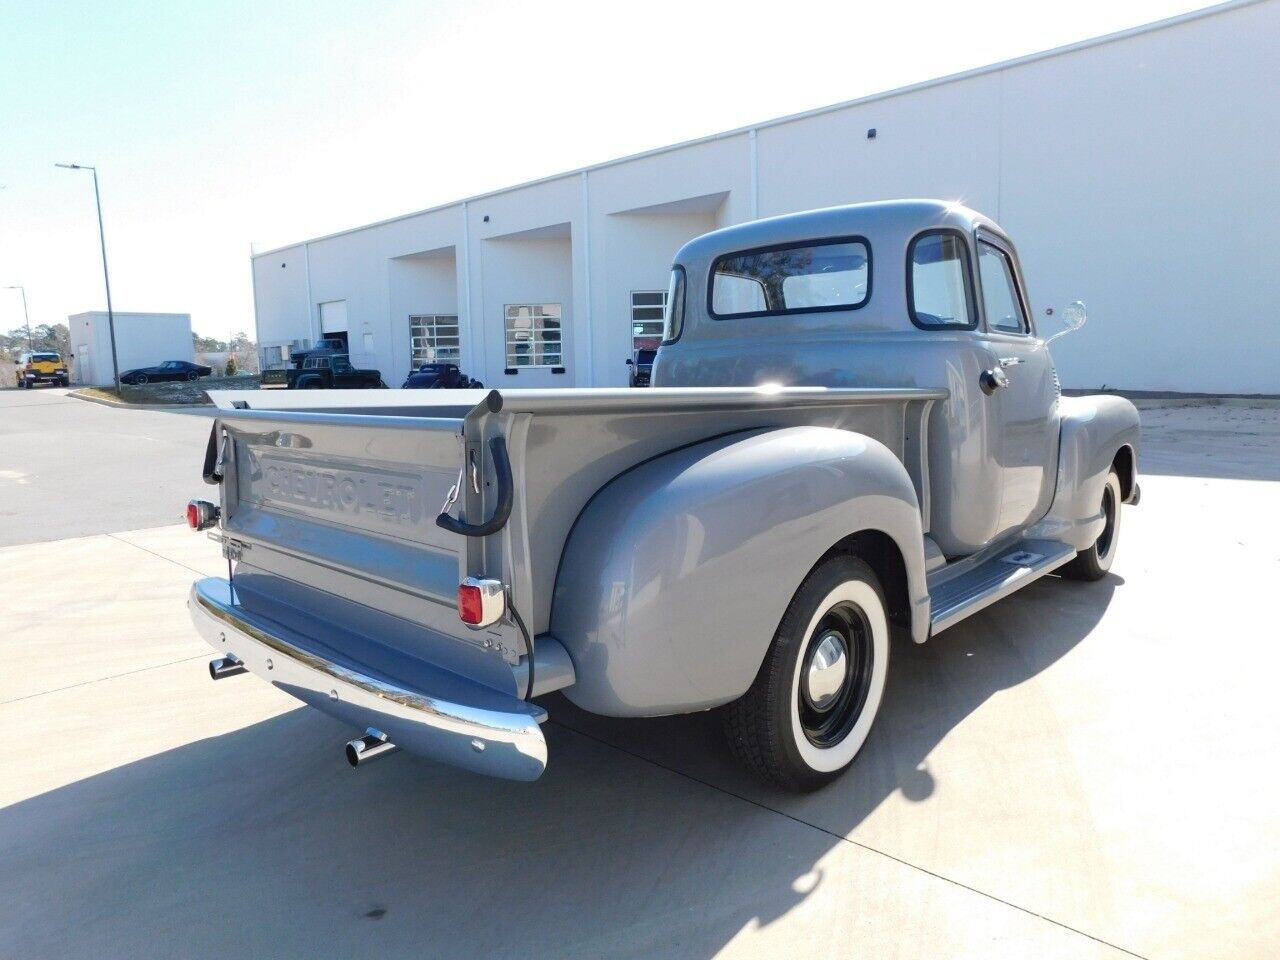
1014	567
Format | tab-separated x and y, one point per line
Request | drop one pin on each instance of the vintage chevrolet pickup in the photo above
855	428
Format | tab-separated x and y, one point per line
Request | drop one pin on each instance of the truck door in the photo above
1023	388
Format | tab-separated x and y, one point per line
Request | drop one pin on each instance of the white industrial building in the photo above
1137	172
142	340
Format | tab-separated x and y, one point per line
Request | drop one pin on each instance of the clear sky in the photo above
219	125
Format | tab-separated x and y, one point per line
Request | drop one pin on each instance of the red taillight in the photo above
470	604
201	514
481	602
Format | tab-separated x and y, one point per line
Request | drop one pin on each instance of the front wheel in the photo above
812	704
1093	564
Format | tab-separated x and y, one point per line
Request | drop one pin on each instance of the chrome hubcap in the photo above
828	669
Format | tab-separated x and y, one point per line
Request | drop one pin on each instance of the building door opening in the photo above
333	321
83	366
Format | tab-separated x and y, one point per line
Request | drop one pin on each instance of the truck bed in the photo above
330	499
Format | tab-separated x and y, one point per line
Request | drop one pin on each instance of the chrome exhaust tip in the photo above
227	666
370	747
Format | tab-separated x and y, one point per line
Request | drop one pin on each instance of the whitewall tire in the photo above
811	706
1095	562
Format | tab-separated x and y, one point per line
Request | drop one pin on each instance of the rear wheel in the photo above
812	704
1093	563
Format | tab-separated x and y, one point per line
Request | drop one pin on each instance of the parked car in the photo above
322	373
322	348
822	460
439	376
167	371
41	367
642	366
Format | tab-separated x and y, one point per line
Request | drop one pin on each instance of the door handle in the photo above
992	380
1010	361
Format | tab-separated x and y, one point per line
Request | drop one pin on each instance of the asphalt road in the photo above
1082	770
69	468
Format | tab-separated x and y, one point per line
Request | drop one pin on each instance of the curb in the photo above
125	405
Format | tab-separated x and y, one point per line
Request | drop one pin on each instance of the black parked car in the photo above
642	367
439	376
169	370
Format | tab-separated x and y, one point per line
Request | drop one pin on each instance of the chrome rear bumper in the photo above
497	735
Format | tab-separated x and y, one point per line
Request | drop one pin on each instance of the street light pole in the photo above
102	240
25	315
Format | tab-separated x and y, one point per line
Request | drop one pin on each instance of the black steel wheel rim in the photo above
828	727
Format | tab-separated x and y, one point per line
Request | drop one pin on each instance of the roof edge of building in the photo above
986	69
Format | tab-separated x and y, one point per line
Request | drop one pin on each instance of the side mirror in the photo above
1074	317
630	362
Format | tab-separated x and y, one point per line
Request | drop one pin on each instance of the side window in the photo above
938	288
999	292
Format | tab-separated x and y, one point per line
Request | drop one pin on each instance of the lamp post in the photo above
26	316
102	240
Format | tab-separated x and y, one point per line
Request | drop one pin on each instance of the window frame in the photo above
1005	249
677	294
971	296
507	355
661	321
791	311
419	320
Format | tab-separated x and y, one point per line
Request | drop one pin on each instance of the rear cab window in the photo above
796	278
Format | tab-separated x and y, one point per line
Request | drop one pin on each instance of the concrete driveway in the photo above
1079	771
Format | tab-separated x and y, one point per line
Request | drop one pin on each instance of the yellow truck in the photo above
41	367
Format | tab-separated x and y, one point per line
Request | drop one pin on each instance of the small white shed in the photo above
142	340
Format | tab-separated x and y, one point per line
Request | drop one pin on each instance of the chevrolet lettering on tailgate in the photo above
392	497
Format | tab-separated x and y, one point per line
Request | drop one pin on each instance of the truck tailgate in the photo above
337	510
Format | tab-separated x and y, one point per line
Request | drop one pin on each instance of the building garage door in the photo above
333	317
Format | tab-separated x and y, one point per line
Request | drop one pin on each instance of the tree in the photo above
206	344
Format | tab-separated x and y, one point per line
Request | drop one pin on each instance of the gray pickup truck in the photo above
855	429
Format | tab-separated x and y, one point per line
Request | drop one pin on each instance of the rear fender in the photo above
1094	429
677	573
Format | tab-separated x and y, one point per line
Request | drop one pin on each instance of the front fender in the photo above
677	573
1093	430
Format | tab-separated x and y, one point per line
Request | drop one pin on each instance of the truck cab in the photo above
925	293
